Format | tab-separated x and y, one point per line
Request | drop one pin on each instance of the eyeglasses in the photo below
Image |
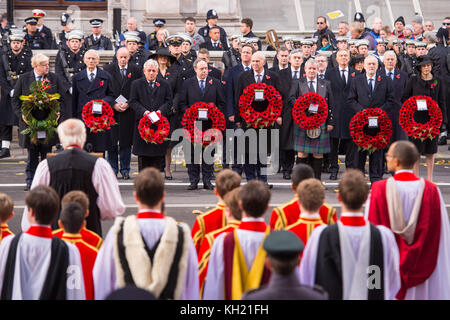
320	22
446	23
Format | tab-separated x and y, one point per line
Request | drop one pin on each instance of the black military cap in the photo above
31	20
65	19
212	14
283	245
96	22
159	22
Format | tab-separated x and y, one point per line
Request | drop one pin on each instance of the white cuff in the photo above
11	93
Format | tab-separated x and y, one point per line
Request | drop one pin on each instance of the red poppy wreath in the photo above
98	122
265	118
417	130
158	135
193	133
368	142
308	120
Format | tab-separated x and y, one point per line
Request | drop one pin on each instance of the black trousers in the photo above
34	152
194	165
339	144
5	132
145	162
287	159
375	163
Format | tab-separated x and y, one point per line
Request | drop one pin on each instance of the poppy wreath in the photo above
151	135
263	119
194	134
99	123
303	118
365	141
422	131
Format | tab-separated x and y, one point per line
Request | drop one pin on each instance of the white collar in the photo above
346	69
198	79
352	214
149	210
249	66
126	67
314	80
387	71
250	219
293	70
36	75
404	170
368	78
262	74
309	215
89	72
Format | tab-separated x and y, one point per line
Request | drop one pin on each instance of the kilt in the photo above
320	145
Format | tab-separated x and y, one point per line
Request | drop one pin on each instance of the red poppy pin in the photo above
220	46
101	83
210	81
157	84
353	74
129	75
167	73
267	77
304	75
398	76
224	83
209	70
378	78
433	85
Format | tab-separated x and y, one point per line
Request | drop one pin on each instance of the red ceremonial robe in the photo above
418	260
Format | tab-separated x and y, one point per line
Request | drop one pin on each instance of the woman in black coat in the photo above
425	83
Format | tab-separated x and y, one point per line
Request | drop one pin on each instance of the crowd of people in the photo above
306	251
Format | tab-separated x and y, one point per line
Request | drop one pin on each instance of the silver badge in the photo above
313	133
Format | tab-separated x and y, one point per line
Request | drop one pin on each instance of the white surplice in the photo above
32	262
437	286
109	200
355	248
250	242
104	272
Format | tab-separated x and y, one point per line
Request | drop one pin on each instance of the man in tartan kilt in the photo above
313	142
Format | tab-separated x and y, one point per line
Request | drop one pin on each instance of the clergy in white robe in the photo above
149	250
43	266
414	210
352	260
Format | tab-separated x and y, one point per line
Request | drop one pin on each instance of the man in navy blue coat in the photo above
90	84
370	90
341	78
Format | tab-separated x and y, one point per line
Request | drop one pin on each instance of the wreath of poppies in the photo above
158	135
193	133
263	119
365	141
98	123
417	130
307	120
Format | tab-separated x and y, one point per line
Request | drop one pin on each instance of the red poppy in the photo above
421	131
353	74
267	77
363	140
167	73
223	82
432	86
98	123
210	81
129	75
398	76
154	136
378	78
157	84
301	106
101	83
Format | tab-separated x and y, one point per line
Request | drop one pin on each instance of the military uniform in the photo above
152	40
11	67
97	42
36	41
43	30
204	31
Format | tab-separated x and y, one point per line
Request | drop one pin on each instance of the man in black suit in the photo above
203	54
246	30
213	43
41	71
90	84
201	88
149	94
341	79
281	60
231	81
246	78
371	91
287	77
123	75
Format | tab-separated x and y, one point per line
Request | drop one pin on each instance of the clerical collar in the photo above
309	215
150	214
42	231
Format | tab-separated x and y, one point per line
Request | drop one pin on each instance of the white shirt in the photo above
293	71
314	83
109	200
256	75
89	73
249	67
373	81
120	68
387	73
345	73
36	76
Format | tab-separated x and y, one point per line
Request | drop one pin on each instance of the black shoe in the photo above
333	176
27	187
5	153
269	185
286	176
168	177
126	176
208	186
192	186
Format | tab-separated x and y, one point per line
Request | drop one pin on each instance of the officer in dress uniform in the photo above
283	251
68	62
408	60
138	54
44	31
15	61
186	48
211	21
184	67
33	39
152	40
97	40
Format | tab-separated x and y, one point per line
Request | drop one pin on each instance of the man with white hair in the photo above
92	83
377	24
370	90
132	26
417	24
149	95
40	72
75	169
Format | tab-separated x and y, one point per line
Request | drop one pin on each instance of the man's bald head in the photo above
122	56
131	24
72	132
405	152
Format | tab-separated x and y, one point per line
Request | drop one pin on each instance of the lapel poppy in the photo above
101	83
398	76
378	78
129	75
267	77
210	81
353	74
157	84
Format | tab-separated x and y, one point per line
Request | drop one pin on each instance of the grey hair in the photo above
259	53
430	36
94	52
310	62
197	61
371	56
390	53
150	62
72	132
296	51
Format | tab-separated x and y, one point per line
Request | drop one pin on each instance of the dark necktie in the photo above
92	77
258	76
39	78
124	72
295	75
321	76
390	75
370	86
311	87
343	76
247	68
202	85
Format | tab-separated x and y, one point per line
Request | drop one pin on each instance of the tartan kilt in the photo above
320	145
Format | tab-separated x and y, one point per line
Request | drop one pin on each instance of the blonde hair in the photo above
38	58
